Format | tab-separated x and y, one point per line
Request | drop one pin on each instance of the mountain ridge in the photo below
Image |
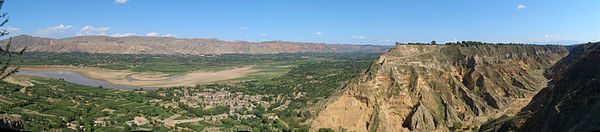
170	45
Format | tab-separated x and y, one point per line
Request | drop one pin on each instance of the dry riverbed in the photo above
149	80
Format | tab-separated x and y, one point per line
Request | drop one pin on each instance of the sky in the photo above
376	22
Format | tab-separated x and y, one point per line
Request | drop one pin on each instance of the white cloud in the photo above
384	40
152	34
521	6
123	35
263	34
54	30
121	1
155	34
319	33
89	30
170	35
243	27
13	30
358	37
550	38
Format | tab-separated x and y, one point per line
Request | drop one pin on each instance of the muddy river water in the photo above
75	77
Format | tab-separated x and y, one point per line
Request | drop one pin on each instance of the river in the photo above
77	78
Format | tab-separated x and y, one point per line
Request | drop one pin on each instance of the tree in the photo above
456	125
5	53
325	130
433	42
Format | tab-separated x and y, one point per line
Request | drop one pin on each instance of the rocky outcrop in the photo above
431	87
422	119
570	103
12	122
168	45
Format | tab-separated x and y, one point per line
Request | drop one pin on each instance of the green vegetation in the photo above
457	125
278	103
303	86
463	43
474	43
172	64
51	103
325	130
490	119
191	126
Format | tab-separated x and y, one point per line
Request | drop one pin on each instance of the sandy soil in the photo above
149	80
18	80
37	113
150	76
8	102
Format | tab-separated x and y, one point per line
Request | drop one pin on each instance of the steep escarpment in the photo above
570	103
432	87
168	45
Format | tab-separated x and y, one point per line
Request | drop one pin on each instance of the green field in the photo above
171	64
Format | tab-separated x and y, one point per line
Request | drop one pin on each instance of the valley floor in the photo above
275	94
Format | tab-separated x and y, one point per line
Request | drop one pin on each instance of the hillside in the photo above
436	87
169	45
570	103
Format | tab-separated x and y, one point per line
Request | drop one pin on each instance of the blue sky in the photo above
324	21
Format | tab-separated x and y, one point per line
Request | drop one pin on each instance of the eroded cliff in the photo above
432	87
570	103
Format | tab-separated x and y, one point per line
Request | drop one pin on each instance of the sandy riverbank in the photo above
149	80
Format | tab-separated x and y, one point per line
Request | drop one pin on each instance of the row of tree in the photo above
462	43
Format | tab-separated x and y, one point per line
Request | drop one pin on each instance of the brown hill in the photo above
169	45
432	87
570	103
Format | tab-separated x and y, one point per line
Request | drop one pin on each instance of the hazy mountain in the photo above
169	45
433	87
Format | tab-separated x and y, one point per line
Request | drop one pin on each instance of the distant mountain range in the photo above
169	45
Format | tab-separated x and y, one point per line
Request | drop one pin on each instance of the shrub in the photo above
325	130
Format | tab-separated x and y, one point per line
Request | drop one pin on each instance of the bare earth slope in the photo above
570	103
430	87
168	45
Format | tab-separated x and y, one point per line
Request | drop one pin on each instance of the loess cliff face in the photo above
168	45
570	103
431	87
